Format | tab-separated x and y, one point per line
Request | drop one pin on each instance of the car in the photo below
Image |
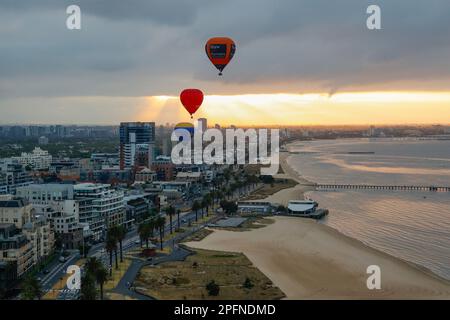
62	259
46	271
137	242
183	220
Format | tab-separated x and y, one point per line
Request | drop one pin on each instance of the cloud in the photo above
147	47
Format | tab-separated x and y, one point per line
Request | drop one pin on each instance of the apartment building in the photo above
100	206
15	248
38	159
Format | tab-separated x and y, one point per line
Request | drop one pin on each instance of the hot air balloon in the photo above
184	126
220	51
191	99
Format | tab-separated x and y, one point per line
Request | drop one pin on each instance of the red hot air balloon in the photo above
220	51
191	99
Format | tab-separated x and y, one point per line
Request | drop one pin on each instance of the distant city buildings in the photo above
137	140
43	140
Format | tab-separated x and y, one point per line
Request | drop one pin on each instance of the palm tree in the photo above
101	276
111	246
170	211
93	264
203	205
161	223
209	201
195	208
31	288
178	218
88	290
141	232
120	233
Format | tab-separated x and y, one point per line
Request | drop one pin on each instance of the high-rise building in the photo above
137	140
203	122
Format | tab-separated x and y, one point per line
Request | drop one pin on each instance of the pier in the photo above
324	187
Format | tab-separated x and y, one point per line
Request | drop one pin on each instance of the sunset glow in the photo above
310	109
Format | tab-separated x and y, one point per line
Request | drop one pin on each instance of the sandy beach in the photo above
309	260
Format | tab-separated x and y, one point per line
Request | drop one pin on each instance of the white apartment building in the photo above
38	159
55	202
100	206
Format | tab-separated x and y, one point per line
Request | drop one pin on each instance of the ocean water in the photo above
414	226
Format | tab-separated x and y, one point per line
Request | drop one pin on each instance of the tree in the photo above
170	211
111	246
267	179
144	232
84	249
161	223
101	276
88	290
195	208
207	200
213	288
178	218
248	284
119	234
229	207
31	288
93	264
95	268
204	204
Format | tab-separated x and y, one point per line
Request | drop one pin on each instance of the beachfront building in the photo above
302	207
255	207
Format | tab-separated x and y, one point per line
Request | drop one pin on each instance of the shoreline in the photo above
311	260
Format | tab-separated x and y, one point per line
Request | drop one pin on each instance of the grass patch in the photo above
252	222
198	236
187	279
270	189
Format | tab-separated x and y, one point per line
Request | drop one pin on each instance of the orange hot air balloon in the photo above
191	99
220	51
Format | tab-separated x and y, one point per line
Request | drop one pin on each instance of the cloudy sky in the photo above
297	61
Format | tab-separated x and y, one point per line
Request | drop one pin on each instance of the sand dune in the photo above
308	260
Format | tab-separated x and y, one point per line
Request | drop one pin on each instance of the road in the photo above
57	270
